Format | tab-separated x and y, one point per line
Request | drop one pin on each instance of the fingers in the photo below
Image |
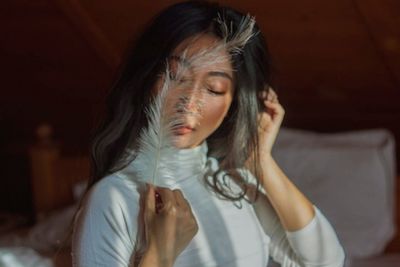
167	198
272	96
268	94
271	101
275	107
180	199
273	115
185	210
150	203
150	200
161	199
263	94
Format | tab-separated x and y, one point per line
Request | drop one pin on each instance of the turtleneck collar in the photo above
193	159
192	163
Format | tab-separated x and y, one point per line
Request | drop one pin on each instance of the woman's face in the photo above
204	96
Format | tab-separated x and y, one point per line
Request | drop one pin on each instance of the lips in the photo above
184	129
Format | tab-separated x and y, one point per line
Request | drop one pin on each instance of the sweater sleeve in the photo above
106	226
315	245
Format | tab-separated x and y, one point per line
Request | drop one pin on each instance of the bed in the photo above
350	176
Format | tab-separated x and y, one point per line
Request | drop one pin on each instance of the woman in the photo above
229	203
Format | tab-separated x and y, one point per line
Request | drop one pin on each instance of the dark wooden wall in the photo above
338	63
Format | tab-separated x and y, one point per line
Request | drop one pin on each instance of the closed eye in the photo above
212	91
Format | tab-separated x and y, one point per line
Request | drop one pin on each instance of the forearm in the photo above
292	207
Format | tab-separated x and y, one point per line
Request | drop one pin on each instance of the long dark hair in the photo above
234	141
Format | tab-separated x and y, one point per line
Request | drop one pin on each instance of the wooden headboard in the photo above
53	175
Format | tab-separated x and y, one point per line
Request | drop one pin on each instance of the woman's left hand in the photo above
270	121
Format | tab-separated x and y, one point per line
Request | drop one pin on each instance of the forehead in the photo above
197	44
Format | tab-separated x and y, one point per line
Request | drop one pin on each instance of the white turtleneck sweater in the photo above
233	234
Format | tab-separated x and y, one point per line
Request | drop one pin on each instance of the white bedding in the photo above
18	250
22	257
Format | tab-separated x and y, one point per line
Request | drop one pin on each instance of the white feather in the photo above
155	160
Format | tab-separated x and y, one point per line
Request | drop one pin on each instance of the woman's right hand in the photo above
169	227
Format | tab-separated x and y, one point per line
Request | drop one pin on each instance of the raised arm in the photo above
300	234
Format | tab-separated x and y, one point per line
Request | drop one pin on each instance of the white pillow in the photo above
350	176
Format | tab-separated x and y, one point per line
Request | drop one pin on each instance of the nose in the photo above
190	102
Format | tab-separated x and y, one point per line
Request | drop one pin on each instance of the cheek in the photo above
214	112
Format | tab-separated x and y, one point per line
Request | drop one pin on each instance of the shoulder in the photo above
114	187
107	222
112	202
111	206
113	193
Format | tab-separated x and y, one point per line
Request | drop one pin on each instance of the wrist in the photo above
265	158
153	258
271	174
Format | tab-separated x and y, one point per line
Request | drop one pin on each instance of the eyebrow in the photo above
220	74
210	73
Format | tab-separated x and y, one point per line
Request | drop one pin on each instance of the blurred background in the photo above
337	68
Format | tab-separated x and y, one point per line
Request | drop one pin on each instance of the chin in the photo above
184	141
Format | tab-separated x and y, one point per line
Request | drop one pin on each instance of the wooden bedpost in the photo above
53	176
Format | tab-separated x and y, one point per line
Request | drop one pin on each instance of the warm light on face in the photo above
202	96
